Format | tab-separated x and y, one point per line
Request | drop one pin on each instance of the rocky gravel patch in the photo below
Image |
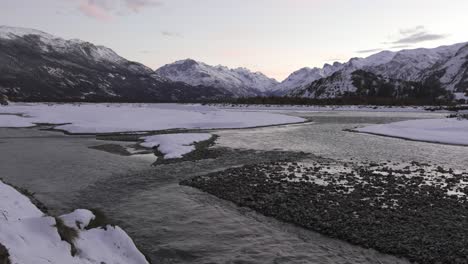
4	255
417	211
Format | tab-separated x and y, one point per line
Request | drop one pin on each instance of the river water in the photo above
177	224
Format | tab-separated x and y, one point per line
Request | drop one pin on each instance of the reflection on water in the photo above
326	137
176	224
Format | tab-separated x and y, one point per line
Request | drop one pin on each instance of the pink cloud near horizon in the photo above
94	10
105	10
137	5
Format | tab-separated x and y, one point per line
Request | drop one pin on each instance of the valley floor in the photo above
173	223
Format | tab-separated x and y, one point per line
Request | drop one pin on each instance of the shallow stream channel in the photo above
171	223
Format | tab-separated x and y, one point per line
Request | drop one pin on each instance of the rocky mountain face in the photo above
304	77
36	66
420	73
240	81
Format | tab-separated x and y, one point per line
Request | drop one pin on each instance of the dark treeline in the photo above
101	100
262	100
351	100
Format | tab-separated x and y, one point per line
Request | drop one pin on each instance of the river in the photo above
177	224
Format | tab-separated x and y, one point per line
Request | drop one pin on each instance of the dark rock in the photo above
3	99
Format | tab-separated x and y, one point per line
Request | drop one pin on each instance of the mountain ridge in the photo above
239	81
444	66
37	66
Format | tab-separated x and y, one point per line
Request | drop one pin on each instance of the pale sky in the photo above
275	37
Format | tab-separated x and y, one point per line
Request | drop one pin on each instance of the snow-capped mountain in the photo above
441	71
453	72
239	81
304	77
411	64
37	66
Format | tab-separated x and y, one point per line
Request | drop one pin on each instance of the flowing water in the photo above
177	224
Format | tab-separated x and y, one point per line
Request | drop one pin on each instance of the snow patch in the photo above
174	145
78	219
448	130
108	118
32	237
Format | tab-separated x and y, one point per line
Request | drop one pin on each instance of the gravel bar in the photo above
412	210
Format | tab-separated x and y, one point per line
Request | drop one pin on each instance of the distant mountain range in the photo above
438	72
36	66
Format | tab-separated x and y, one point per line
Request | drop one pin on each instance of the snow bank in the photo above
107	118
79	219
174	145
32	238
448	130
109	245
14	121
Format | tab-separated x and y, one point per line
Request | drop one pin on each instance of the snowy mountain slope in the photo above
239	81
36	66
453	73
337	79
436	70
304	77
50	44
411	64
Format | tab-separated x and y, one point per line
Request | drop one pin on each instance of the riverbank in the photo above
29	236
414	210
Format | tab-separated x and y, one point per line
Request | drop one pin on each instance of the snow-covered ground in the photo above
107	118
31	237
174	145
447	131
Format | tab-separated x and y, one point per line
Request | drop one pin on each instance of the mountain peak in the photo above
240	81
9	32
187	61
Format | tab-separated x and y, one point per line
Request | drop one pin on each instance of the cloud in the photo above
369	51
334	59
400	46
94	10
171	34
415	35
137	5
410	31
105	10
